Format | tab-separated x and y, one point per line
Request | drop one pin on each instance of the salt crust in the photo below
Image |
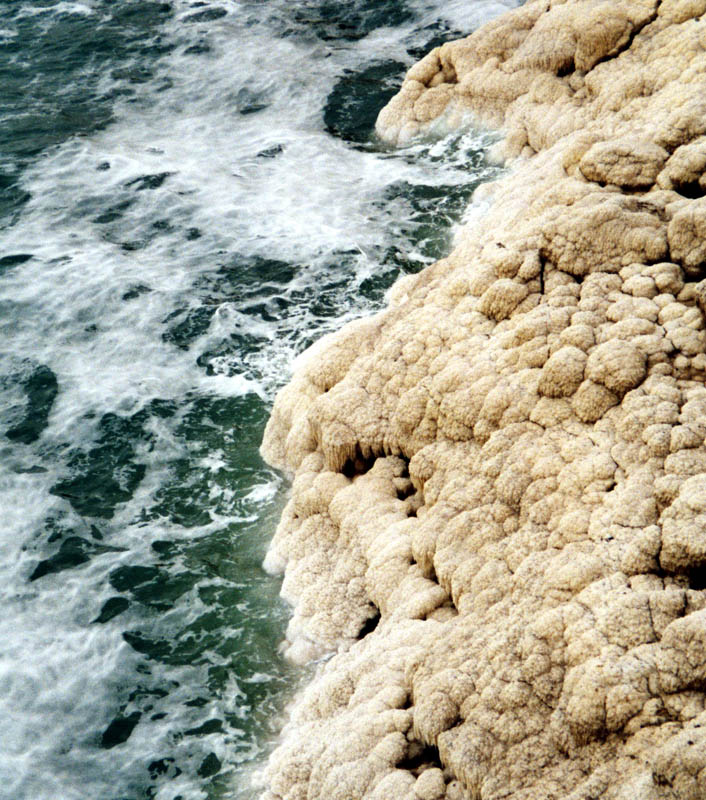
507	466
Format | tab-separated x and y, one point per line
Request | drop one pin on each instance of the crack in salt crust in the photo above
498	518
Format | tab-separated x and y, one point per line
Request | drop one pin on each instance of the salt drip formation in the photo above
498	518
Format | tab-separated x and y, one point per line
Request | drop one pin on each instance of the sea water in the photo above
191	193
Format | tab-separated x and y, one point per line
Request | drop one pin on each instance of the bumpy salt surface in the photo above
499	505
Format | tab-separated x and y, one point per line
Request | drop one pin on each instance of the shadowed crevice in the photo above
370	623
358	464
420	757
697	578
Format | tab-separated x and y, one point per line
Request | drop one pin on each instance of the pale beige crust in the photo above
508	464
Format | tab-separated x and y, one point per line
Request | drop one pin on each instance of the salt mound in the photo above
498	520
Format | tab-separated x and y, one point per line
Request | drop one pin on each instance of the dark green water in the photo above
190	194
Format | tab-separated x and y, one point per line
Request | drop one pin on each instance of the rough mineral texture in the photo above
498	518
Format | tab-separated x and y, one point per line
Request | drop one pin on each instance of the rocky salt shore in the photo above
498	518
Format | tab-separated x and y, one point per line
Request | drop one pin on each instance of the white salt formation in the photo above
507	466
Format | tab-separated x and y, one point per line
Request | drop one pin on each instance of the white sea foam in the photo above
53	11
83	9
461	14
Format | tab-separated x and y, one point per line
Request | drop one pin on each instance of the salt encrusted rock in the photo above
592	400
631	163
603	232
562	374
618	365
497	525
683	526
678	11
430	785
685	167
501	298
687	238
